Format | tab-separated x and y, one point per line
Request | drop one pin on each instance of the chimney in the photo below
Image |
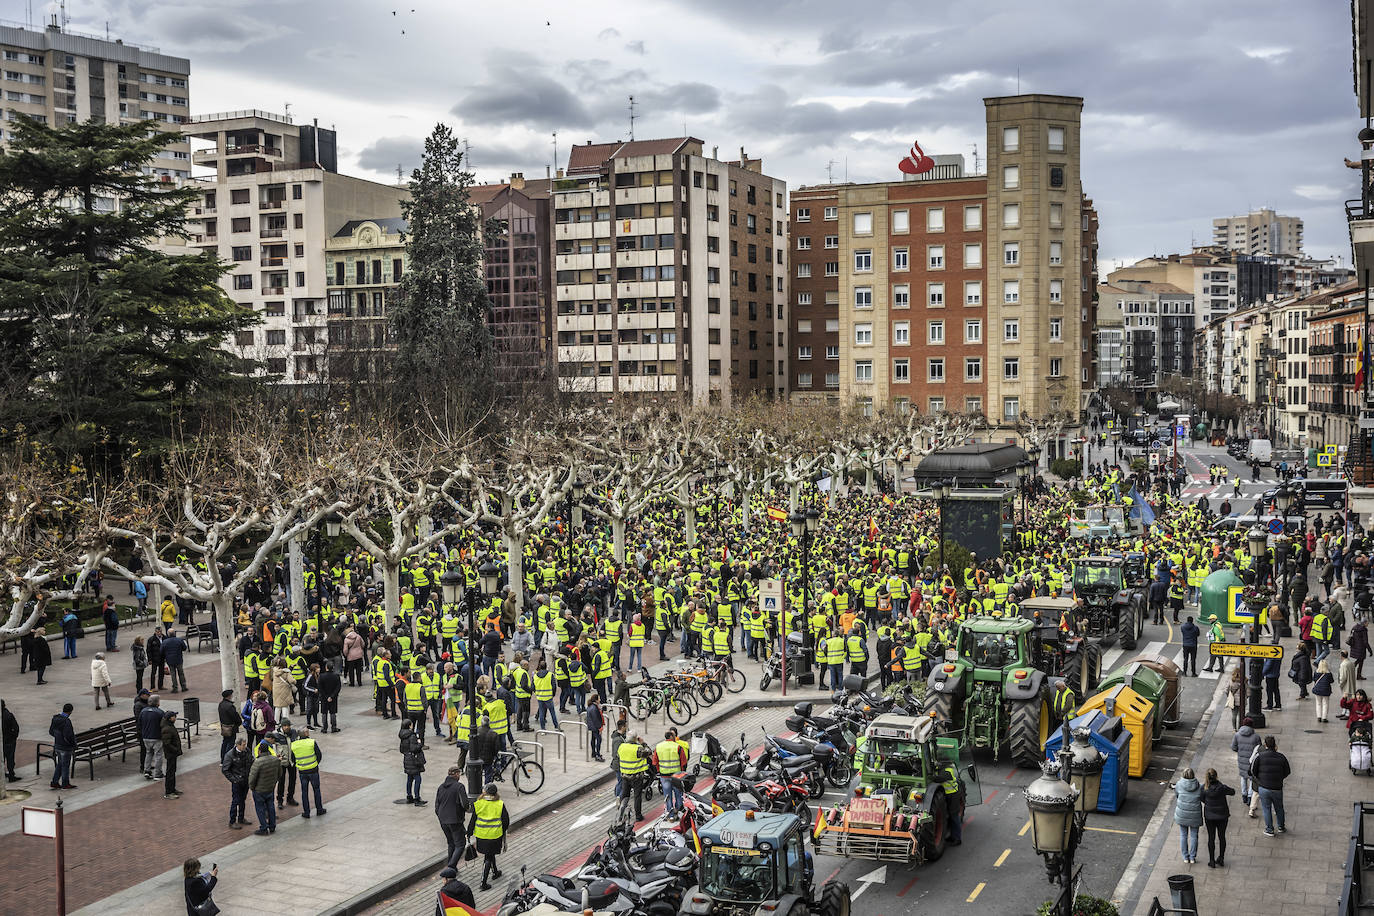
715	152
517	180
741	155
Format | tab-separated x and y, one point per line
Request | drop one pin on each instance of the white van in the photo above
1260	450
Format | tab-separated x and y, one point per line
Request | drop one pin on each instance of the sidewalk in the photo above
1294	874
125	843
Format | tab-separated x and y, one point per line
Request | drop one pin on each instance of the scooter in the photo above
567	896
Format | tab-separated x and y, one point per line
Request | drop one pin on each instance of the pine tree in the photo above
439	314
106	345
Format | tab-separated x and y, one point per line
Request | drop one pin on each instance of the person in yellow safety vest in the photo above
670	760
415	707
384	684
601	672
757	635
663	622
250	671
432	684
560	627
632	762
834	661
522	686
637	631
543	681
615	632
914	656
954	803
307	756
1063	705
487	827
499	719
725	619
857	650
577	685
1320	633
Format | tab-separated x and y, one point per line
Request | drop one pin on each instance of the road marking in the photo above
586	819
1112	830
1024	828
1002	858
876	876
906	887
991	796
976	891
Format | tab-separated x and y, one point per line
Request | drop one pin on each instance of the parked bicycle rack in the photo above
607	707
582	740
562	743
538	749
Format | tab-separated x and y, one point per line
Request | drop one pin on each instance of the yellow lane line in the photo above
1024	828
1110	830
1002	858
976	891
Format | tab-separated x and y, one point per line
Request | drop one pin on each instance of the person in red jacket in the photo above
1359	707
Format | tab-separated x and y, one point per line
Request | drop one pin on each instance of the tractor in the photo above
1058	646
1112	609
899	812
1108	522
756	864
990	688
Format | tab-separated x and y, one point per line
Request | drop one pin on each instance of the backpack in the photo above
259	722
247	715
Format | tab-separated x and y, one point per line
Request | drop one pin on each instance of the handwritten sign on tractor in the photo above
867	811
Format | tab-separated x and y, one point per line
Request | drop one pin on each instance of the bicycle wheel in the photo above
528	777
678	712
735	680
710	692
642	705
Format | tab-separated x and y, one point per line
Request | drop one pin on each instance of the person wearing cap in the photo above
171	751
455	889
230	719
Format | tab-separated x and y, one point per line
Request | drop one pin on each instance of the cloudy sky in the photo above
1192	109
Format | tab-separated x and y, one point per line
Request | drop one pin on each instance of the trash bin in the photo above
190	711
1182	894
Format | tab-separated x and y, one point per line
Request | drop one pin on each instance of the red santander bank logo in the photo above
916	162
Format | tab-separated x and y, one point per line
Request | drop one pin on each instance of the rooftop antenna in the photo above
400	173
830	172
1018	80
975	158
555	151
66	20
287	113
632	118
846	170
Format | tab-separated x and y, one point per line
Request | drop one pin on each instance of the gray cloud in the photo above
516	95
384	153
635	47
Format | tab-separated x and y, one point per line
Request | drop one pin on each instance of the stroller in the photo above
1362	749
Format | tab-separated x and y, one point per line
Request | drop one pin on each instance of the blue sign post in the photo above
1276	526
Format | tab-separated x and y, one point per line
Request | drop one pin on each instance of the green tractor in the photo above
756	864
990	689
1113	610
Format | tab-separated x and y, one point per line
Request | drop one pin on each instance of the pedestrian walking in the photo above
1269	771
9	732
200	887
100	679
236	764
139	657
171	752
174	657
109	616
63	747
1189	635
157	678
1359	647
595	723
670	760
1235	696
1345	678
40	655
1321	689
1270	670
262	782
451	806
1244	743
71	632
487	826
305	757
229	721
1188	813
1300	670
150	731
412	762
1216	813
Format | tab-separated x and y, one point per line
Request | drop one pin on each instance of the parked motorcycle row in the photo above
646	874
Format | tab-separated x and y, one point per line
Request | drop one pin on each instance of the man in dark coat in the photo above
9	726
483	748
451	806
171	752
1269	771
230	720
63	746
40	656
173	654
330	685
1189	634
236	764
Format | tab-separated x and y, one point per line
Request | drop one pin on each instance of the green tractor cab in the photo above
756	864
990	689
1113	609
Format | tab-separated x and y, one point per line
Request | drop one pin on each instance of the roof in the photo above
980	623
388	224
976	463
591	156
769	828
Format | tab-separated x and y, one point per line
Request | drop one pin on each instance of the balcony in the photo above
1359	215
271	204
273	262
274	291
272	233
253	149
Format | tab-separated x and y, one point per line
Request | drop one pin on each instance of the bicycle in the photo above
527	776
649	698
732	679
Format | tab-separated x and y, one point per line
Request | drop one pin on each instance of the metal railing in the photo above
1358	857
240	113
534	747
562	743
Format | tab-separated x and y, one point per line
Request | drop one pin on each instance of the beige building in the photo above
1035	203
1211	281
57	76
273	201
363	262
1259	232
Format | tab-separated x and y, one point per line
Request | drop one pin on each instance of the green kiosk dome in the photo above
1215	589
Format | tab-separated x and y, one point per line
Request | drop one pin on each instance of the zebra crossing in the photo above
1114	656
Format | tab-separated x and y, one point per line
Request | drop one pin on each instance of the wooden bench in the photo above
119	737
202	636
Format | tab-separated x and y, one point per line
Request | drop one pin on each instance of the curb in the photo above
425	868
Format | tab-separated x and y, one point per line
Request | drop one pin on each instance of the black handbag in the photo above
470	853
206	907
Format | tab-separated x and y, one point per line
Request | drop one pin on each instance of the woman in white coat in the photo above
100	679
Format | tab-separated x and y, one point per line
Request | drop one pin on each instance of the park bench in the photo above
118	737
202	636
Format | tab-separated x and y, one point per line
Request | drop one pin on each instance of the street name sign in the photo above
1245	650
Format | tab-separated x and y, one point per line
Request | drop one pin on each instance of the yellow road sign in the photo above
1330	448
1324	460
1246	650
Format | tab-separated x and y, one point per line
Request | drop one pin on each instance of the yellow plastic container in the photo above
1137	714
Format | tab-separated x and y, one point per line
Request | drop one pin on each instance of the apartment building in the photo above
57	76
1158	325
1259	232
274	199
1290	395
363	262
1333	402
670	272
1087	291
1207	274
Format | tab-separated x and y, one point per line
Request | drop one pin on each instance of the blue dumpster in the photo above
1108	735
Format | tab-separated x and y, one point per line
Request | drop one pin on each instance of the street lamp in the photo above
804	525
1257	541
333	522
1056	826
941	489
579	489
1023	469
453	583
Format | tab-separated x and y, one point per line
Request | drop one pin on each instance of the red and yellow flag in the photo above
451	907
872	529
776	514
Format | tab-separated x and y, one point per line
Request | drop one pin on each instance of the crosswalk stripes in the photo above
1114	656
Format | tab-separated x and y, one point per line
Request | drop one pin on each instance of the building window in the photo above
243	281
901	296
863	297
863	223
935	332
832	241
973	405
1011	253
1011	216
935	369
863	260
973	369
1056	290
935	257
832	380
935	295
296	192
1011	408
935	219
243	253
1011	291
1056	176
300	278
832	351
1055	140
901	333
973	255
832	212
863	370
1011	368
1056	216
973	330
973	218
803	379
1011	139
1056	253
863	334
1011	330
1056	367
901	370
803	214
1011	177
241	224
832	268
276	338
803	298
901	222
803	243
973	292
803	271
901	259
1056	329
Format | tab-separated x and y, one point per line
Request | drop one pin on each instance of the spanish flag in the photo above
696	837
872	529
776	514
889	500
450	907
820	826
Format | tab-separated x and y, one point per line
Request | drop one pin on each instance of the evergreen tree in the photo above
440	312
105	344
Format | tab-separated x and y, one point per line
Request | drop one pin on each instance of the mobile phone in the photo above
214	866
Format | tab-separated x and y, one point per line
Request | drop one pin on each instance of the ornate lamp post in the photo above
804	525
1023	470
452	581
1257	600
941	490
1059	802
579	489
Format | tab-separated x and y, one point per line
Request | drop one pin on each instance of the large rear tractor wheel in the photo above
1023	732
1127	625
1093	653
834	899
930	838
942	705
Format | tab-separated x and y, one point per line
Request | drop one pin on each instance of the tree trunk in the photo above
391	590
515	566
793	496
618	537
691	513
223	605
868	481
295	556
744	504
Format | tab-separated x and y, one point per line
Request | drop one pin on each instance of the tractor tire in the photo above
834	899
942	705
930	838
1128	626
1023	732
1094	651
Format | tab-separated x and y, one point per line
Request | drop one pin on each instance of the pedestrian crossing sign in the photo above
1330	448
1324	460
1238	612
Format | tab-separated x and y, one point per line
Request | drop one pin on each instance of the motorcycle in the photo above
652	876
835	761
772	665
788	794
714	758
524	894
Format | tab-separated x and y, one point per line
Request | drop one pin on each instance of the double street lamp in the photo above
804	525
333	523
941	489
1023	472
454	585
1059	801
1257	600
